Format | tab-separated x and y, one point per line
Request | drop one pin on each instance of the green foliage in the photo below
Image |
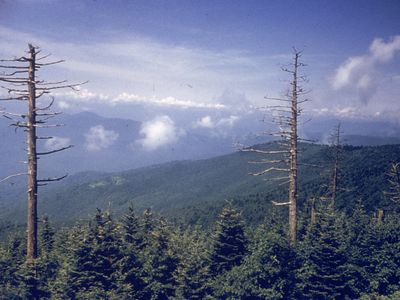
160	263
267	272
323	271
203	186
193	272
146	257
131	263
229	241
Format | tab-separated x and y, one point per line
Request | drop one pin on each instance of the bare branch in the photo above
52	179
48	126
269	170
280	203
12	176
54	151
48	106
263	161
50	63
263	151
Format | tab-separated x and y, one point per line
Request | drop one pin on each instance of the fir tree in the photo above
160	263
267	272
362	244
229	245
323	274
193	272
131	264
92	269
12	258
385	257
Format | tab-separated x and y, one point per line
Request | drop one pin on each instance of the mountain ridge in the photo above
182	189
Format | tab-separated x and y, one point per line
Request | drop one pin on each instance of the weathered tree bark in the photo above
335	173
287	119
293	156
32	227
21	85
313	212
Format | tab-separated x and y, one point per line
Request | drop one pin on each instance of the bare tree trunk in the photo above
293	158
287	116
32	227
23	88
313	212
337	145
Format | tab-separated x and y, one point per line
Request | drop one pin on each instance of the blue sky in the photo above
215	59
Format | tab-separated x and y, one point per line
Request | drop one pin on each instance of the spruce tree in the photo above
13	257
91	271
229	244
131	264
323	274
267	272
361	245
193	272
385	257
106	252
160	263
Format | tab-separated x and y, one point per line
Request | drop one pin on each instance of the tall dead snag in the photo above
21	84
286	115
394	181
336	156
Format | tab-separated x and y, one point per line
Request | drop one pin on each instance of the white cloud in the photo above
56	143
98	138
385	52
229	122
205	122
159	132
168	101
63	104
350	71
360	73
208	122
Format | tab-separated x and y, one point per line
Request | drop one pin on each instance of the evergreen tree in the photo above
267	272
193	272
160	263
132	228
91	272
72	251
46	237
323	274
361	245
12	257
131	264
229	244
385	257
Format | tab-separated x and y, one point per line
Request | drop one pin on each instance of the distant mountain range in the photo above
113	144
193	191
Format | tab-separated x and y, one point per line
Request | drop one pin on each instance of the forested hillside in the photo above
193	191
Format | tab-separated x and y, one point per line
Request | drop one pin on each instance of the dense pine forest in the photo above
143	256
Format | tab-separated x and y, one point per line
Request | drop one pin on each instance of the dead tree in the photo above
394	181
336	151
336	144
286	116
21	84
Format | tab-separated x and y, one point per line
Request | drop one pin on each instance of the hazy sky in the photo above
152	59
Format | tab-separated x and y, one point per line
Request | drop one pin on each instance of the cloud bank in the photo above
208	122
159	132
360	73
98	138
